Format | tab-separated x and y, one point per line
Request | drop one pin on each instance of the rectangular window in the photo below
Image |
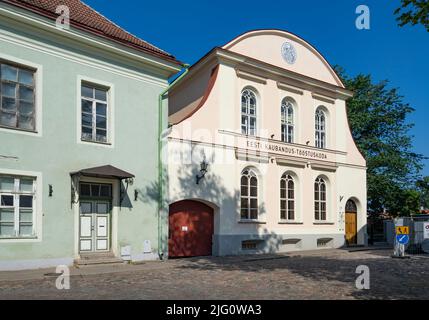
94	113
17	95
17	207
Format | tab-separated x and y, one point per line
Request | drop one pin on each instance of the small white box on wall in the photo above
126	253
147	246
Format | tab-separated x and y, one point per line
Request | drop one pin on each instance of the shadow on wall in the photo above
212	191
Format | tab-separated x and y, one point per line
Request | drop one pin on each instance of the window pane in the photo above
85	190
87	92
25	201
26	185
86	119
26	123
244	191
101	122
26	216
244	203
7	215
25	77
282	193
101	109
25	93
283	214
8	119
254	191
7	184
86	133
86	106
244	214
101	95
26	108
291	215
282	204
85	207
8	89
105	191
8	104
6	201
95	190
253	181
102	208
254	214
25	229
101	135
254	203
7	230
9	73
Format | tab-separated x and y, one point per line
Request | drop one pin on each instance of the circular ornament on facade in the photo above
289	53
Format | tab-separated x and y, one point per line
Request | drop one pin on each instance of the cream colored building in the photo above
267	113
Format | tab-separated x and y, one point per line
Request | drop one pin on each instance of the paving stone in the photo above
326	274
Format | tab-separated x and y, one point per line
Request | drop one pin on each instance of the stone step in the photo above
93	259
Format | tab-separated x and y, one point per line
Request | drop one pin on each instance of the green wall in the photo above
57	152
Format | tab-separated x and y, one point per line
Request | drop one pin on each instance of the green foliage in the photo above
423	187
377	116
413	12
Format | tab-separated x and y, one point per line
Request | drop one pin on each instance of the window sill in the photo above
18	238
18	129
291	222
252	222
324	223
96	142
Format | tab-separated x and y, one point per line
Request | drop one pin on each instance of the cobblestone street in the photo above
326	274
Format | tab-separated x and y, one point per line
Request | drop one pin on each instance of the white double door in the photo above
94	233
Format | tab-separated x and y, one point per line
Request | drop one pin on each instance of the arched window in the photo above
248	113
351	206
287	198
320	120
320	199
249	195
287	121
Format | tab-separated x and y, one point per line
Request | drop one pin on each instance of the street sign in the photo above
403	238
402	230
426	230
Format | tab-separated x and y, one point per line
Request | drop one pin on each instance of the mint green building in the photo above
79	125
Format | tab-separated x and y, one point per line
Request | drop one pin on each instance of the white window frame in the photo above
251	173
317	203
319	133
81	80
37	205
288	107
287	177
248	115
38	93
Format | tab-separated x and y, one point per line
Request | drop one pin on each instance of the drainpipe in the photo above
160	164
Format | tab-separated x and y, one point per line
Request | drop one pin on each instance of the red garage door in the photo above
190	229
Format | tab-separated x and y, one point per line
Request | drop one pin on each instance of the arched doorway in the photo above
351	223
191	228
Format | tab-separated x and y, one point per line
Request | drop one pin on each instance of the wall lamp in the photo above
51	190
204	165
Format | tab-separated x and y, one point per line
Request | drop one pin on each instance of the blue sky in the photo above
189	29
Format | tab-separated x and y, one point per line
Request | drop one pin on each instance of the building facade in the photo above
79	137
260	153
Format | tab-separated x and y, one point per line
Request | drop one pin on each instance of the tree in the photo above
413	12
423	188
377	116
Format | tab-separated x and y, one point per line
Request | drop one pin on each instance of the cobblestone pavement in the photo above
326	274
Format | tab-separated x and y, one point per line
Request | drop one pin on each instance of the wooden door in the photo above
191	229
351	223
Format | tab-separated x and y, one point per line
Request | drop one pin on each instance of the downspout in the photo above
160	164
